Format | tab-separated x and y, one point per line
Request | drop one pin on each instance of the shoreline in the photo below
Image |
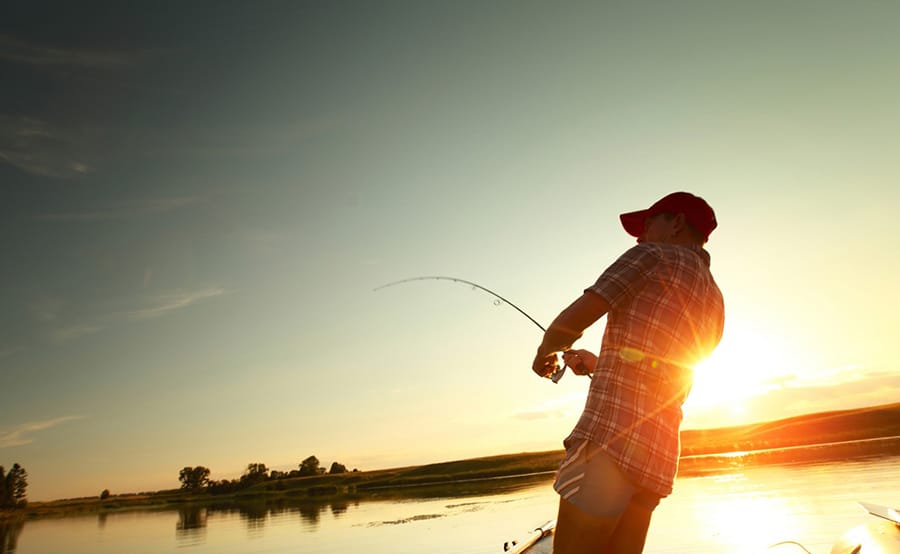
814	438
474	476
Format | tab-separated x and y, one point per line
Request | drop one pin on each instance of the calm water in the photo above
744	510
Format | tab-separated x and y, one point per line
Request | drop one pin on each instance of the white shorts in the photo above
590	479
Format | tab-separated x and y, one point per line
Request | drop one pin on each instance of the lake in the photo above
739	510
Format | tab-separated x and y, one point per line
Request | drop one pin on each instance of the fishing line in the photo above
555	376
794	543
471	284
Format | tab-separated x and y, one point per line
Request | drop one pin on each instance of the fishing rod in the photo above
555	376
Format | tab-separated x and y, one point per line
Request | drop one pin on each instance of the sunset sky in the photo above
198	199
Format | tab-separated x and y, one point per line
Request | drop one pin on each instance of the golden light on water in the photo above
771	518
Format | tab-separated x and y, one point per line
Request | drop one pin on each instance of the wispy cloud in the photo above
552	408
870	390
40	148
839	388
55	314
72	332
21	434
823	377
15	50
127	210
58	149
167	303
63	324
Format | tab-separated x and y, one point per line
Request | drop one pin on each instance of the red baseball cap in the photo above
695	209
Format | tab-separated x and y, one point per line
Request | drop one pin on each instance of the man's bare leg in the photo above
631	531
578	532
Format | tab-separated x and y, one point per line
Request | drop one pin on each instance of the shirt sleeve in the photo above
627	275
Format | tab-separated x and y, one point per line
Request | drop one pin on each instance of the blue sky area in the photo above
197	200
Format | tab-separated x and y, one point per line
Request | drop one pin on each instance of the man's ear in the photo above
679	222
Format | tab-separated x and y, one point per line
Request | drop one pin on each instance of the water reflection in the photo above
9	535
256	513
338	508
190	529
740	511
743	508
254	516
310	514
754	509
191	518
191	525
701	464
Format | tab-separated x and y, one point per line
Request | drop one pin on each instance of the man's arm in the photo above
567	328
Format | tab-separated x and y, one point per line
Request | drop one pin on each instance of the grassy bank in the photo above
842	435
819	428
355	485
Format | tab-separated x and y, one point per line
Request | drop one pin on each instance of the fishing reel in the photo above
559	371
561	366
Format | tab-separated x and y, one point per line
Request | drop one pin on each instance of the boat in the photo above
539	541
881	536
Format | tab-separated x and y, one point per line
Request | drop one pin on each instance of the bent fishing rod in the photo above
555	376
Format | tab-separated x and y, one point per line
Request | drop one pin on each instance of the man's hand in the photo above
582	362
544	364
565	330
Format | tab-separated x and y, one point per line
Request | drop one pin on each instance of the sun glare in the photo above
748	363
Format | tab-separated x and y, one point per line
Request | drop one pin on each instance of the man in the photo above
665	313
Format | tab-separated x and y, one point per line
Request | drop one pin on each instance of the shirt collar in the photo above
700	251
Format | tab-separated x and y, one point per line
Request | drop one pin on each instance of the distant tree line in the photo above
13	486
197	478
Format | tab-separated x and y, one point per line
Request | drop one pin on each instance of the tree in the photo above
193	478
224	486
337	468
104	495
309	466
16	483
4	495
255	473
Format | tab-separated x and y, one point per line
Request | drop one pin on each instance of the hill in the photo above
819	428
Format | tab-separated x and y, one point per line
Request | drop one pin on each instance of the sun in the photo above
748	363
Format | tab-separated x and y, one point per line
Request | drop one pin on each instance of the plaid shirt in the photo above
666	314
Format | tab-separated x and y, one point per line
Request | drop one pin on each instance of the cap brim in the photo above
633	222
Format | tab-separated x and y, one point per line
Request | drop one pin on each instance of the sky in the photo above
198	199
